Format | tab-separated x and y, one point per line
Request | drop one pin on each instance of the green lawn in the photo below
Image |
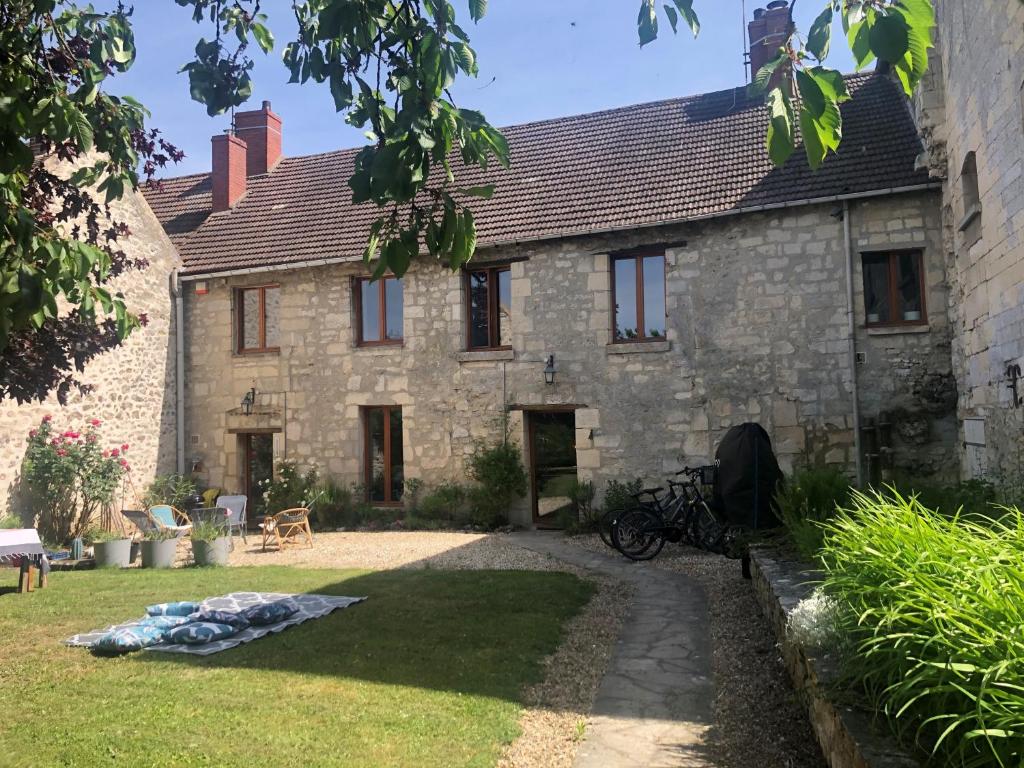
427	672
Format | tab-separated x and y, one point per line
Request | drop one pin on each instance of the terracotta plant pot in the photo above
112	554
159	554
213	552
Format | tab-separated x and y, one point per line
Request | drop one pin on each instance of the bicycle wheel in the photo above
639	534
706	531
605	524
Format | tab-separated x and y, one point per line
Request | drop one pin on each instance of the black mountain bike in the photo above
680	515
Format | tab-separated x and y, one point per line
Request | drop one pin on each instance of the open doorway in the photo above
552	465
257	469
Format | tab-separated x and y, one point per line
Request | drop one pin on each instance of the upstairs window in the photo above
894	289
489	302
258	311
379	308
970	225
638	293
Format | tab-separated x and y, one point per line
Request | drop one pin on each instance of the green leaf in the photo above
264	38
673	17
80	128
685	8
813	146
890	37
811	97
780	127
466	57
484	192
764	75
859	38
477	9
647	22
820	36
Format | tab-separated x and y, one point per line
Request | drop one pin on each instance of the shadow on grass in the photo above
475	632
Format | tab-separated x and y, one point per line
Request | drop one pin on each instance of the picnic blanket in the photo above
310	607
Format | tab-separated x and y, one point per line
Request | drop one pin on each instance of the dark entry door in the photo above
258	466
552	465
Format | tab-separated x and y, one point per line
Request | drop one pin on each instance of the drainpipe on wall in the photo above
852	330
179	368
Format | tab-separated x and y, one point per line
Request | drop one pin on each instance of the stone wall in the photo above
133	385
756	330
974	102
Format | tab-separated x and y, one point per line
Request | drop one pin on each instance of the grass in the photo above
427	672
931	609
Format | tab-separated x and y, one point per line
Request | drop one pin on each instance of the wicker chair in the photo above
287	527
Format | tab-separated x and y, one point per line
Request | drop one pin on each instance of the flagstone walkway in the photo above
654	706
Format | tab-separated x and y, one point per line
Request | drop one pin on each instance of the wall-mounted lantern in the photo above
549	370
248	401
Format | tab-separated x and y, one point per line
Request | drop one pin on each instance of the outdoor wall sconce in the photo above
549	370
248	401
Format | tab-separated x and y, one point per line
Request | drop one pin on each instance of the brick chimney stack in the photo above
768	32
227	176
261	130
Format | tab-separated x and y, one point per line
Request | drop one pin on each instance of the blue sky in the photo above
538	59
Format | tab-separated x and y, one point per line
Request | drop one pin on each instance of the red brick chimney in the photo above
768	32
261	130
227	176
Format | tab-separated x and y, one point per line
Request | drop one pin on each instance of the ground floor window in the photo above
385	475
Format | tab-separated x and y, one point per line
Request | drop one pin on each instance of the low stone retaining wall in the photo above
849	738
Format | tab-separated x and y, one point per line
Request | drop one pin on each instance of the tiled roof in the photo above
637	166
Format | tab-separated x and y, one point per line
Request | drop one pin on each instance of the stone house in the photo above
971	114
645	280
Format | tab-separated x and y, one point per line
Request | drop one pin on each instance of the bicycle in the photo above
682	515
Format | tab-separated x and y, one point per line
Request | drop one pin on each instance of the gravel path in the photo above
759	722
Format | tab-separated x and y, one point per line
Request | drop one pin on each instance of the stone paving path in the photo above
654	706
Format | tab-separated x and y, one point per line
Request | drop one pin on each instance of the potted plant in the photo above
159	549
210	544
110	548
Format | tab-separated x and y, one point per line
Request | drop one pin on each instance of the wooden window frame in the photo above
638	258
382	312
240	319
368	464
894	297
493	300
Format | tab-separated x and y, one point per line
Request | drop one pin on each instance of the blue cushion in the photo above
199	632
127	639
270	613
236	620
164	515
163	622
172	609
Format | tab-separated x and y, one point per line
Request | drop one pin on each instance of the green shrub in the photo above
101	536
290	488
334	505
931	609
501	479
175	490
207	531
807	500
446	503
970	497
377	518
618	497
9	521
581	516
412	490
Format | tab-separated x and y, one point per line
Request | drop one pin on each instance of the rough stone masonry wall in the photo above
974	102
133	385
756	330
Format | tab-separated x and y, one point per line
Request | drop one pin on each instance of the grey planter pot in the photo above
211	552
159	554
136	548
112	554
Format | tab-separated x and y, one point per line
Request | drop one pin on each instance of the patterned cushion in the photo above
236	620
172	609
270	613
163	622
199	632
127	639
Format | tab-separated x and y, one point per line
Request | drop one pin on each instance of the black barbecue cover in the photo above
747	477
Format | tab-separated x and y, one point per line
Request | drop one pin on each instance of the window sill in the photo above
897	330
379	349
485	355
638	347
270	351
972	213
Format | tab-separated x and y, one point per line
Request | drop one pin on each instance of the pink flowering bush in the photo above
67	478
